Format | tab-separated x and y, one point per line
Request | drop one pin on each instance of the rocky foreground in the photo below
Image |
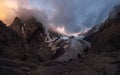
23	50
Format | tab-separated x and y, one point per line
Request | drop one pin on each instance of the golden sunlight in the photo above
6	11
61	30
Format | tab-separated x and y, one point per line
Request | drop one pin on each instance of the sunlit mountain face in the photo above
67	16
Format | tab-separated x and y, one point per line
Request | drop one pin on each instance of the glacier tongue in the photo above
72	50
67	48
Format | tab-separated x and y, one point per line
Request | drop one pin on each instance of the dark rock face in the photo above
20	45
4	32
106	45
28	28
17	26
23	41
34	31
88	35
10	43
31	31
107	38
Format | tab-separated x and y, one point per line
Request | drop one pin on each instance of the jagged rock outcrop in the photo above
24	41
26	29
18	26
5	32
10	43
33	36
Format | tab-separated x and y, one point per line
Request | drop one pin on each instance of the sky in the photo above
73	15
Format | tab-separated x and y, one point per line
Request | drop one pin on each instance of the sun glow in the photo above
9	8
61	30
6	11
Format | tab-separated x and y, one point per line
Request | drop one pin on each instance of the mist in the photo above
74	15
78	15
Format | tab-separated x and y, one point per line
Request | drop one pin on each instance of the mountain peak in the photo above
16	20
17	26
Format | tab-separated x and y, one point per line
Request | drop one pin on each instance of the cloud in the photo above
20	8
77	15
8	8
74	15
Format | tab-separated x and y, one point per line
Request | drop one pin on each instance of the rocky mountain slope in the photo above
23	41
107	38
10	43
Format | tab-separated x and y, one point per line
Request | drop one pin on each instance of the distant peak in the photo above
17	22
16	19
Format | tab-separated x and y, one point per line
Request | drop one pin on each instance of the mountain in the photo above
107	38
105	45
10	43
28	48
26	44
91	32
17	26
35	42
26	29
24	41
